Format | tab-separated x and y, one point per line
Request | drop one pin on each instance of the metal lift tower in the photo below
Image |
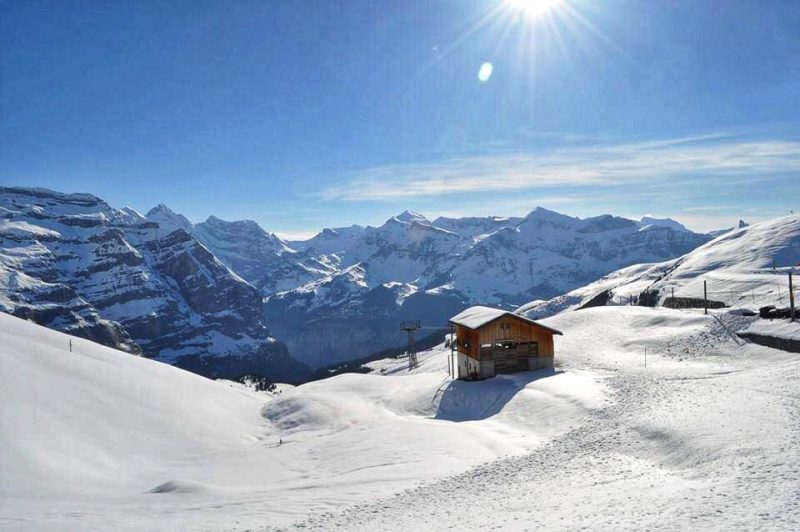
410	327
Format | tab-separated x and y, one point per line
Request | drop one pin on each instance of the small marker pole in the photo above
705	297
70	345
791	297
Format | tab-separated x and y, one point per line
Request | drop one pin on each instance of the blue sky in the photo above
303	115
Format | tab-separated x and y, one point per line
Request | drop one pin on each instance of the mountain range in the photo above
200	295
74	263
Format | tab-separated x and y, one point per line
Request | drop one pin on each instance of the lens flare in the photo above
485	72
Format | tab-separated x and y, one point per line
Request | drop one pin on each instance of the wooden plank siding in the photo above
468	342
505	328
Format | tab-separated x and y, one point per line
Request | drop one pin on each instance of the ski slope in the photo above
97	439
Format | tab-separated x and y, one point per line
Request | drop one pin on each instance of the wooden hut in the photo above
491	341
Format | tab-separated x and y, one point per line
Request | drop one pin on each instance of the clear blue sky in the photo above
315	113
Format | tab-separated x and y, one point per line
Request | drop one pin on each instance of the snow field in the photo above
99	439
703	437
706	441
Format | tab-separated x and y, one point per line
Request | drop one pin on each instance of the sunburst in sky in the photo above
534	8
487	106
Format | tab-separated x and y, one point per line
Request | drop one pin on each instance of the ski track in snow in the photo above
710	446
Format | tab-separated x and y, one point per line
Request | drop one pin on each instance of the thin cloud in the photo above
680	159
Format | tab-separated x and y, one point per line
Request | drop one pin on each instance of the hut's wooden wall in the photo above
512	328
506	328
468	342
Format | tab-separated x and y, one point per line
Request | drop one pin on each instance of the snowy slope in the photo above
745	267
96	439
705	434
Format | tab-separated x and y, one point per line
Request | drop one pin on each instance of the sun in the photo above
533	8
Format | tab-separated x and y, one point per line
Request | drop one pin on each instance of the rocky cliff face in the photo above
72	262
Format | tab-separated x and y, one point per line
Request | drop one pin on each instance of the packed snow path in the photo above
705	437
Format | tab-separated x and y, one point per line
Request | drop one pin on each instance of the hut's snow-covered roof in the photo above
476	317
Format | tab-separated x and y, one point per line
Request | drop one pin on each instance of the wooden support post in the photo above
791	297
451	365
705	297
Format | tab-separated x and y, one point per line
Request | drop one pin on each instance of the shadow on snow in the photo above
475	400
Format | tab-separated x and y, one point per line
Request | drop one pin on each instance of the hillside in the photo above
745	267
97	439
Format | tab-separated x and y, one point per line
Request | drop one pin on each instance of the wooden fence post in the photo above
705	297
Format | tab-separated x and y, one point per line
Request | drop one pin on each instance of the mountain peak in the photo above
411	216
160	209
540	214
668	223
167	218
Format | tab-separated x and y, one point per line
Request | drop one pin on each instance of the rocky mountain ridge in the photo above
74	263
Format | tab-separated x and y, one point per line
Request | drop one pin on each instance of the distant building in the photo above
491	341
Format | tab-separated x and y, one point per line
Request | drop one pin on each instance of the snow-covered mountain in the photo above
261	258
411	268
745	266
471	227
74	263
171	271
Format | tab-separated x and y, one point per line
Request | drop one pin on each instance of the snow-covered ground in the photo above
704	436
98	439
